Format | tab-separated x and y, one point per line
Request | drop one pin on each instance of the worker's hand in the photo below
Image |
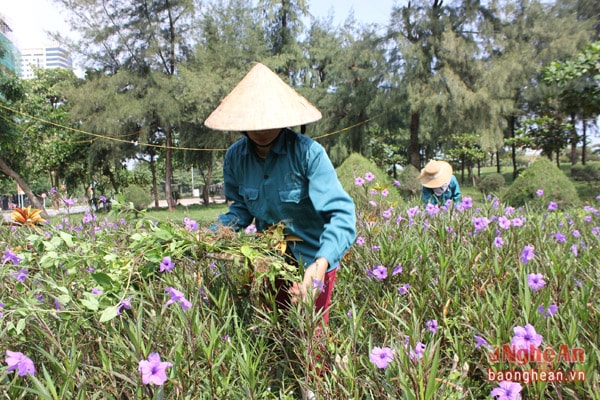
312	283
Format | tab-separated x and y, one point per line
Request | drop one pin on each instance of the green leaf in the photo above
90	302
103	279
108	314
67	238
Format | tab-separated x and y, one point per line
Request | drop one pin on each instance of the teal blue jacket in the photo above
452	193
296	185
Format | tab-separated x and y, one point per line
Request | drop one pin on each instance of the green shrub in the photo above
138	196
541	175
491	183
409	182
358	166
586	173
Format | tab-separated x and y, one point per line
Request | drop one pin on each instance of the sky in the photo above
30	19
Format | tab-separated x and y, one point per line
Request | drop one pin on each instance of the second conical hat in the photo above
262	100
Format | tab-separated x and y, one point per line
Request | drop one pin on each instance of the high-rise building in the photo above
44	57
10	57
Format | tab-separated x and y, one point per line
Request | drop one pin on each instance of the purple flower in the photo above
480	223
386	214
125	303
509	210
507	390
166	264
518	221
153	370
381	356
552	309
21	275
404	288
358	181
20	362
69	202
539	192
190	224
369	176
552	206
559	237
412	211
385	192
498	241
397	183
575	250
177	296
432	209
250	229
536	281
527	254
397	270
526	338
11	256
480	341
97	291
360	240
466	203
576	233
380	272
432	325
504	222
102	198
418	352
319	285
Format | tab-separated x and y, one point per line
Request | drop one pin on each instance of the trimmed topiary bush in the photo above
138	196
491	183
542	180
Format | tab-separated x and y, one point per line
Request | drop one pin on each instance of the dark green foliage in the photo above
541	175
586	173
409	182
138	196
491	183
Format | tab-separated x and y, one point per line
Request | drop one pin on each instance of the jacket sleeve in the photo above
333	203
238	216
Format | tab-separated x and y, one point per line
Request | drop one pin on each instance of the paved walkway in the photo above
7	214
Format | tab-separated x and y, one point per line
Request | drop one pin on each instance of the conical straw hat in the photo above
262	101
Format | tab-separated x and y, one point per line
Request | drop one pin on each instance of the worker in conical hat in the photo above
274	175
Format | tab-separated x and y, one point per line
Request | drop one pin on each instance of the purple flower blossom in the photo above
386	214
480	223
397	270
177	296
379	272
576	233
11	256
166	264
319	285
466	203
385	192
518	221
509	210
432	325
552	206
69	202
559	237
397	183
97	291
432	209
539	192
536	281
360	240
21	275
575	250
507	390
403	289
527	254
250	229
52	190
498	241
526	338
125	303
190	224
480	341
369	176
552	309
412	211
381	356
153	370
20	362
417	353
102	198
1	307
504	222
358	181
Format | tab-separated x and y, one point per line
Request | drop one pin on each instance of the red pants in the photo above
323	301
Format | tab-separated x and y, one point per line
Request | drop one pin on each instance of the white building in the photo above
45	58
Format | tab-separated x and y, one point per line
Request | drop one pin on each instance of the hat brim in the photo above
439	179
261	101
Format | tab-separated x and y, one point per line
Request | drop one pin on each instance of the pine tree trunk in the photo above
414	156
